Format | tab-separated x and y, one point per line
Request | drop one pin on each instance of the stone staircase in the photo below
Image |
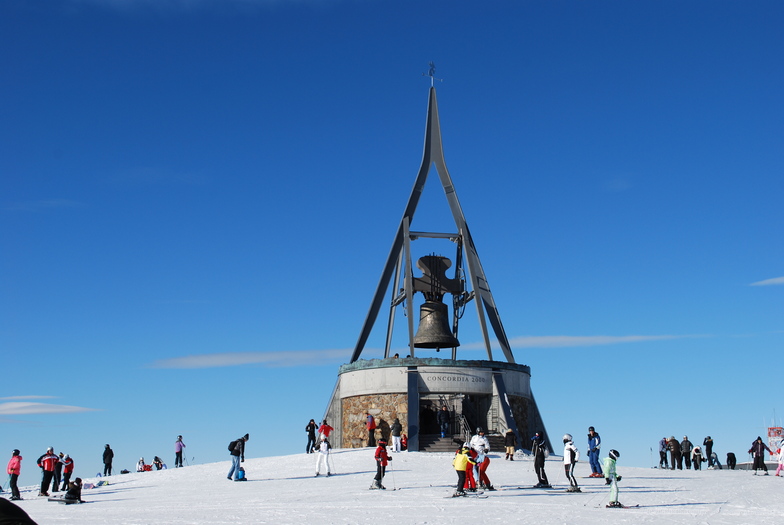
436	443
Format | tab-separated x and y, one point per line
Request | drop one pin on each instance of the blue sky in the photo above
197	199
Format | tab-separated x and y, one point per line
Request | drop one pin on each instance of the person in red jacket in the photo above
370	423
47	463
14	469
324	430
382	459
68	466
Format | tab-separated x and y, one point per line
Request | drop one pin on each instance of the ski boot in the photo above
458	493
573	489
614	505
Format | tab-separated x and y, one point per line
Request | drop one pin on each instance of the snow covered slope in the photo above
284	490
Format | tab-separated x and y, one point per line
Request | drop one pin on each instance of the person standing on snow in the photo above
758	448
322	455
594	446
395	431
108	455
481	445
686	448
382	459
780	459
462	462
310	428
178	446
324	430
237	451
571	455
68	468
697	458
539	449
510	442
676	459
708	444
663	454
13	469
612	478
47	462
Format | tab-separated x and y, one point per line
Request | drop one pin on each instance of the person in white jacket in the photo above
322	455
481	445
570	457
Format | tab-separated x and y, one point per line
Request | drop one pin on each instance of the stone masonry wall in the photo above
383	407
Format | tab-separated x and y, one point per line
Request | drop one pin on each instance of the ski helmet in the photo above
15	452
479	430
614	454
591	429
567	438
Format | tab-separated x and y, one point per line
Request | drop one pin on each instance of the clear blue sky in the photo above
189	178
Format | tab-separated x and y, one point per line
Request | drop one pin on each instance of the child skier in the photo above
780	457
382	459
612	478
571	455
322	455
462	462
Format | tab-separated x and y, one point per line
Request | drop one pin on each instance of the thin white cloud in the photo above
17	398
269	359
769	282
562	341
19	408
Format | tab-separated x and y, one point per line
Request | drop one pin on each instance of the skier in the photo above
68	468
395	430
58	473
686	448
237	451
470	480
47	462
780	457
594	445
663	453
462	462
310	428
510	441
108	454
612	478
481	445
731	460
382	459
178	446
13	469
571	455
697	458
758	448
322	455
539	449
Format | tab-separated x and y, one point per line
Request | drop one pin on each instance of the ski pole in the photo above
393	476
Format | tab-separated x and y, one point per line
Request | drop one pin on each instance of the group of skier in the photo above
685	451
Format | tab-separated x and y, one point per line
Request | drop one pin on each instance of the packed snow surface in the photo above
284	490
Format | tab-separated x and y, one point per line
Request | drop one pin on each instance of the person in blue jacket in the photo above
594	444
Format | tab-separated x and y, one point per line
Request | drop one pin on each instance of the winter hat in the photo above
590	429
479	430
51	449
246	437
78	481
382	441
614	454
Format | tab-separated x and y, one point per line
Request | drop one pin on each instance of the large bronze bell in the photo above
433	331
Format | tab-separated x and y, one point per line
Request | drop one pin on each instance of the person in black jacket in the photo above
108	455
443	419
758	448
538	447
237	451
708	444
310	428
676	459
510	441
686	448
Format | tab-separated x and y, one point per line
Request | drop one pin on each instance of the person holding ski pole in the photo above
322	455
178	446
570	457
539	447
612	478
382	459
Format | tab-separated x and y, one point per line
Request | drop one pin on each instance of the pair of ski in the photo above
478	494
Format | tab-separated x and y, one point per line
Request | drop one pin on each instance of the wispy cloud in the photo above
269	359
562	341
769	282
17	398
42	205
27	407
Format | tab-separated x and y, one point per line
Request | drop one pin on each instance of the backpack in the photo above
233	445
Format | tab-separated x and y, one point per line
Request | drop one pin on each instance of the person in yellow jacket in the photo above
462	462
